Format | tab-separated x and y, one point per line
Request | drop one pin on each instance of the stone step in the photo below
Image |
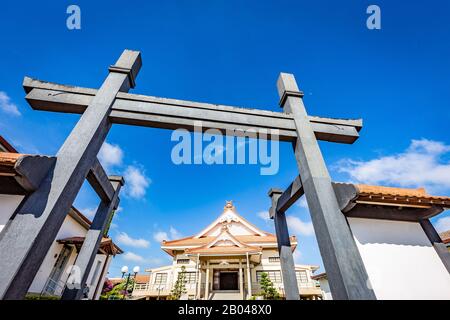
222	295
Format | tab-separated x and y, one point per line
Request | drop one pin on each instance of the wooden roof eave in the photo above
412	206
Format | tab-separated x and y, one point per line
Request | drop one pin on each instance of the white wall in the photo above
100	260
8	204
69	228
400	260
102	278
235	228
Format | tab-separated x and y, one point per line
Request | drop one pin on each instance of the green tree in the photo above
179	288
268	290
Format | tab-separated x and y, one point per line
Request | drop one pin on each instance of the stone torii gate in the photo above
27	238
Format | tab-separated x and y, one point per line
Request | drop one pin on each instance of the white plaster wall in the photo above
92	283
266	254
69	228
235	228
400	260
102	278
8	204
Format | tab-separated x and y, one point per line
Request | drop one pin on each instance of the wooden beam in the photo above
290	195
345	193
165	113
25	241
343	263
99	181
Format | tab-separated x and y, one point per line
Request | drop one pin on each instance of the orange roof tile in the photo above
405	196
142	278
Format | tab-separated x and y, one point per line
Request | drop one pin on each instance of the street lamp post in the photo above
128	275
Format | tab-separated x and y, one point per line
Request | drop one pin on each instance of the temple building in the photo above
225	261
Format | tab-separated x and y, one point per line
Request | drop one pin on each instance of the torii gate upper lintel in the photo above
26	240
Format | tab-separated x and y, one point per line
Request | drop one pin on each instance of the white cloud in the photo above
264	215
154	261
125	239
173	233
420	165
119	209
443	224
89	212
297	256
298	226
136	182
130	256
7	106
110	155
302	203
160	236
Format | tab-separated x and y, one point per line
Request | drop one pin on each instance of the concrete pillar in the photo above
207	282
345	268
101	281
199	287
249	278
241	280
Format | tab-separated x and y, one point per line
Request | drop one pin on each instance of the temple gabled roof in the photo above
230	234
230	215
224	243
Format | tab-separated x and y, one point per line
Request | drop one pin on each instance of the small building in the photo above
324	285
396	242
54	271
225	261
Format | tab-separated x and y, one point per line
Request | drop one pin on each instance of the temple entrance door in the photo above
229	280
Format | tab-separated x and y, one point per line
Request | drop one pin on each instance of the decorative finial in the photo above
229	204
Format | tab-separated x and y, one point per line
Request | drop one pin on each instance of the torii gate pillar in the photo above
345	269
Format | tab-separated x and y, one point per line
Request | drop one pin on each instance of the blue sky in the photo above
230	52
